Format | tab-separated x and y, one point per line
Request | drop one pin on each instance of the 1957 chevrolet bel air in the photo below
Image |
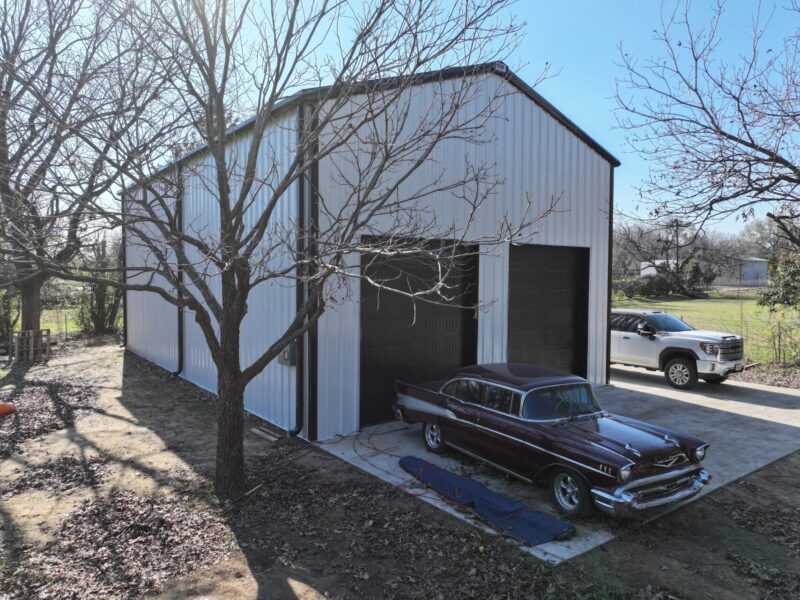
538	424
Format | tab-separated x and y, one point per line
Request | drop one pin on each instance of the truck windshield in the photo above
668	323
559	402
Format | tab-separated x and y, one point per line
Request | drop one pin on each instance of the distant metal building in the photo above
546	302
745	271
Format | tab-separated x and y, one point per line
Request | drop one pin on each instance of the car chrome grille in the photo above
671	461
664	489
733	350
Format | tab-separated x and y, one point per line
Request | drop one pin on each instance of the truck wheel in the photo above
434	439
715	380
570	493
681	373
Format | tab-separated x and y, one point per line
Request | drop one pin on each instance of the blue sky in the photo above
580	38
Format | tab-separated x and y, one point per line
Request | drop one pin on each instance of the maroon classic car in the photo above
538	424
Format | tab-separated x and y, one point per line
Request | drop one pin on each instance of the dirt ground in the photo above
117	503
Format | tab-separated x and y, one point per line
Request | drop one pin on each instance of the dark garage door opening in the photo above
548	306
396	345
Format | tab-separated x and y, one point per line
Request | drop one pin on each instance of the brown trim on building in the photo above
300	289
610	264
313	331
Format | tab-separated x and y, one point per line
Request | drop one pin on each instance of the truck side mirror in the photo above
644	329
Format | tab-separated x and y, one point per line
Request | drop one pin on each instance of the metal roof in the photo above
498	68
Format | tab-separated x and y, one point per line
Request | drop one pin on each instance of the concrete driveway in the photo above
747	425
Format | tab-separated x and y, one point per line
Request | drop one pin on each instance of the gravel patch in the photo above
771	375
51	401
121	546
58	476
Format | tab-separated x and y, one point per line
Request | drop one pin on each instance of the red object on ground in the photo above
7	408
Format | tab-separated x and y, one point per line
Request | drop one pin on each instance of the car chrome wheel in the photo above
434	440
679	374
567	492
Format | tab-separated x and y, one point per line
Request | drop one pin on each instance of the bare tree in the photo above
68	73
244	57
100	304
721	135
671	249
765	239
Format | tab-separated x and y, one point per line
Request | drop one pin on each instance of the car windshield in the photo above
668	323
559	402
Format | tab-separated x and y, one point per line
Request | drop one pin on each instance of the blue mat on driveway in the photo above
517	519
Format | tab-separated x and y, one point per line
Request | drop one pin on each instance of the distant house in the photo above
745	271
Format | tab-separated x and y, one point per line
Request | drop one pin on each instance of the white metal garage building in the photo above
547	301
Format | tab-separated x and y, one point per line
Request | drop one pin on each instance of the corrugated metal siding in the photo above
338	344
272	304
536	157
492	318
271	395
152	321
200	218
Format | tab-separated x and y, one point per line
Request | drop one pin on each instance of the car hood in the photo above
702	335
629	439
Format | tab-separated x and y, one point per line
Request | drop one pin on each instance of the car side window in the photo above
470	391
633	324
450	388
618	322
501	399
465	390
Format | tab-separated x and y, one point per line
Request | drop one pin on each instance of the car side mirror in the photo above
645	330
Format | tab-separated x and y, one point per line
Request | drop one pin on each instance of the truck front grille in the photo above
733	350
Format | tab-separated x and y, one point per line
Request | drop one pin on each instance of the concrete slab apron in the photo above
747	426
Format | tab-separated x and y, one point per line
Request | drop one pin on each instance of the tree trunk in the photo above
99	312
229	478
30	294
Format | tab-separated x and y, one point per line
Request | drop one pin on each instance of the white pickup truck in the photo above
660	341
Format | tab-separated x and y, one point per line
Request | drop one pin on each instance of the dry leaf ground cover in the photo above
113	500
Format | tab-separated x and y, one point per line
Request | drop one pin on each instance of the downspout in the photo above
610	262
124	275
313	355
308	218
179	223
299	402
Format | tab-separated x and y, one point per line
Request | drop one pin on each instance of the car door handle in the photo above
626	337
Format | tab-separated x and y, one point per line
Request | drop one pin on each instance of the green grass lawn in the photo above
728	312
60	321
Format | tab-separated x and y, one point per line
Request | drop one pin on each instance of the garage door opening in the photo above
413	341
548	307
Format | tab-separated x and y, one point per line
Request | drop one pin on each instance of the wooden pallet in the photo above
32	345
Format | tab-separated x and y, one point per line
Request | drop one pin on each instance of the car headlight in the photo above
700	453
624	474
709	348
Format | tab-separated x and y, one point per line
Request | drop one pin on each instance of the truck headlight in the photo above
624	474
709	348
700	453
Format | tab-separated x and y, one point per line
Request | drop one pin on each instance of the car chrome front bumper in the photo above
719	367
651	492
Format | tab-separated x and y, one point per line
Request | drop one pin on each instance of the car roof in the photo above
637	311
521	376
